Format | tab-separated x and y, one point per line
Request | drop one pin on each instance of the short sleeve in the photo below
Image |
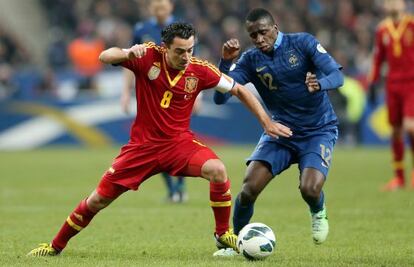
211	76
133	64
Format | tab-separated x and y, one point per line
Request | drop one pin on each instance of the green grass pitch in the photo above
38	189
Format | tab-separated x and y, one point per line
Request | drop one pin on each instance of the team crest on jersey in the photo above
154	72
190	84
293	60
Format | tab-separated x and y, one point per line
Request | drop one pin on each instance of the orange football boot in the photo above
394	184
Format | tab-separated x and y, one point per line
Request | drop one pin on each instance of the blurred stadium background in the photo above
59	95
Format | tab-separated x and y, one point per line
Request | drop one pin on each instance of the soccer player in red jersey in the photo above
168	80
394	44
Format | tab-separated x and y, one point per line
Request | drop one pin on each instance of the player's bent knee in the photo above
310	191
214	170
97	202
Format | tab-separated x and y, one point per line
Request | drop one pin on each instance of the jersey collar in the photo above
278	40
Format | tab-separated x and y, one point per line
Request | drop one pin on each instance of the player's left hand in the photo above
312	82
275	129
230	49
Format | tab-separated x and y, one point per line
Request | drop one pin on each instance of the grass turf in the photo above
38	189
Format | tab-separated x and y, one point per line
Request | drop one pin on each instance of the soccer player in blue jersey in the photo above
150	31
292	73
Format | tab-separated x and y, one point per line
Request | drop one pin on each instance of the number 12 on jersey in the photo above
166	99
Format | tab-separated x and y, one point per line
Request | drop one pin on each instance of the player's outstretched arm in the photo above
116	55
272	128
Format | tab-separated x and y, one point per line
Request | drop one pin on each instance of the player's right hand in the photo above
230	49
136	51
275	129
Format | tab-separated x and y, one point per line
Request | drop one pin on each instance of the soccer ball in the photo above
256	241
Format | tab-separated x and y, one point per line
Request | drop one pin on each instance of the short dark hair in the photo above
259	13
177	29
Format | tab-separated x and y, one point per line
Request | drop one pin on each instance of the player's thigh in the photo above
273	155
317	152
395	104
190	157
258	175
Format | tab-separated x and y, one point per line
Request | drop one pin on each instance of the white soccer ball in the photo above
256	241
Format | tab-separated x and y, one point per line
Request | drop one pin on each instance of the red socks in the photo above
220	201
398	157
76	221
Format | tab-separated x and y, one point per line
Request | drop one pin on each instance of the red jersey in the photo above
165	96
394	43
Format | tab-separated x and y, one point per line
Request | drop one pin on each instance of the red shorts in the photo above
181	156
400	101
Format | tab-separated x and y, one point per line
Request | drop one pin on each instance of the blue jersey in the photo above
279	78
149	31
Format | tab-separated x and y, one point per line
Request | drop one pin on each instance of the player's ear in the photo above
164	45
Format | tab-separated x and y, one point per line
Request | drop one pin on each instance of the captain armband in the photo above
225	84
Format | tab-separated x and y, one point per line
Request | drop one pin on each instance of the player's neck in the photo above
169	66
396	17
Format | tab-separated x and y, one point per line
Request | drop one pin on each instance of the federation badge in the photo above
154	72
190	84
293	60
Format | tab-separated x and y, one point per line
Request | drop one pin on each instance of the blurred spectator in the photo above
56	53
113	29
12	55
6	87
84	53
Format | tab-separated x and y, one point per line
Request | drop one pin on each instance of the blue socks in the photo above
319	205
241	215
177	187
169	183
